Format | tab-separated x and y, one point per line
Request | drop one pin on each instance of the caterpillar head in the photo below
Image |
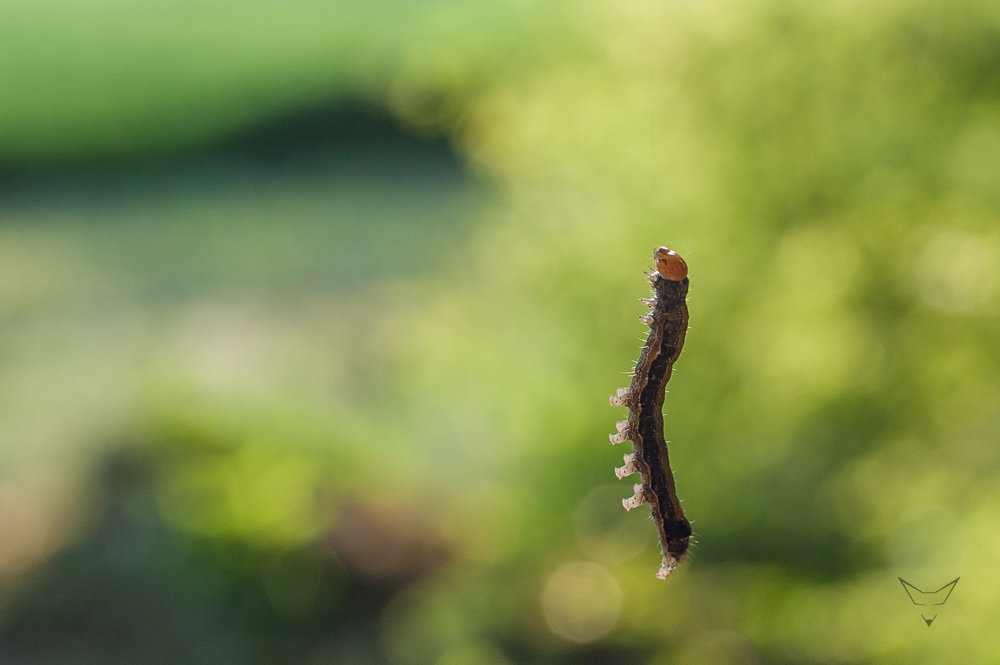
669	264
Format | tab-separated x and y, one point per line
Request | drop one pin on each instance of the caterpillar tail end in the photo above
670	563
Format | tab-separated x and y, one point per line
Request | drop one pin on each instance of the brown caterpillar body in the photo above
668	322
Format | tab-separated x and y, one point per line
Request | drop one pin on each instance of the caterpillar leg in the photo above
621	398
629	467
636	499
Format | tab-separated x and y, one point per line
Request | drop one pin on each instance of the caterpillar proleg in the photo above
667	321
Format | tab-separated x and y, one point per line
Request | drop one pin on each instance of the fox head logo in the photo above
929	598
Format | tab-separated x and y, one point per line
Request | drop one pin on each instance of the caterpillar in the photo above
668	322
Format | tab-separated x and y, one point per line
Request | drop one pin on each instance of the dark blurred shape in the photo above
304	203
351	138
134	591
586	655
333	125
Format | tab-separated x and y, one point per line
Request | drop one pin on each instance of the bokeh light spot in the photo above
582	601
956	271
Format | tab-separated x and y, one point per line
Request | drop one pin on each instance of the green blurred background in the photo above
309	312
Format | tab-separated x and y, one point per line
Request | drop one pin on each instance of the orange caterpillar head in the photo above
669	264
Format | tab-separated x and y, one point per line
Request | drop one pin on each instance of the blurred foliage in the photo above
112	78
346	391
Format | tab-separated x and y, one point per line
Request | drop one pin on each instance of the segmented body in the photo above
668	321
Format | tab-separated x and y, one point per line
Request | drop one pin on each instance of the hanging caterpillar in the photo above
668	322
